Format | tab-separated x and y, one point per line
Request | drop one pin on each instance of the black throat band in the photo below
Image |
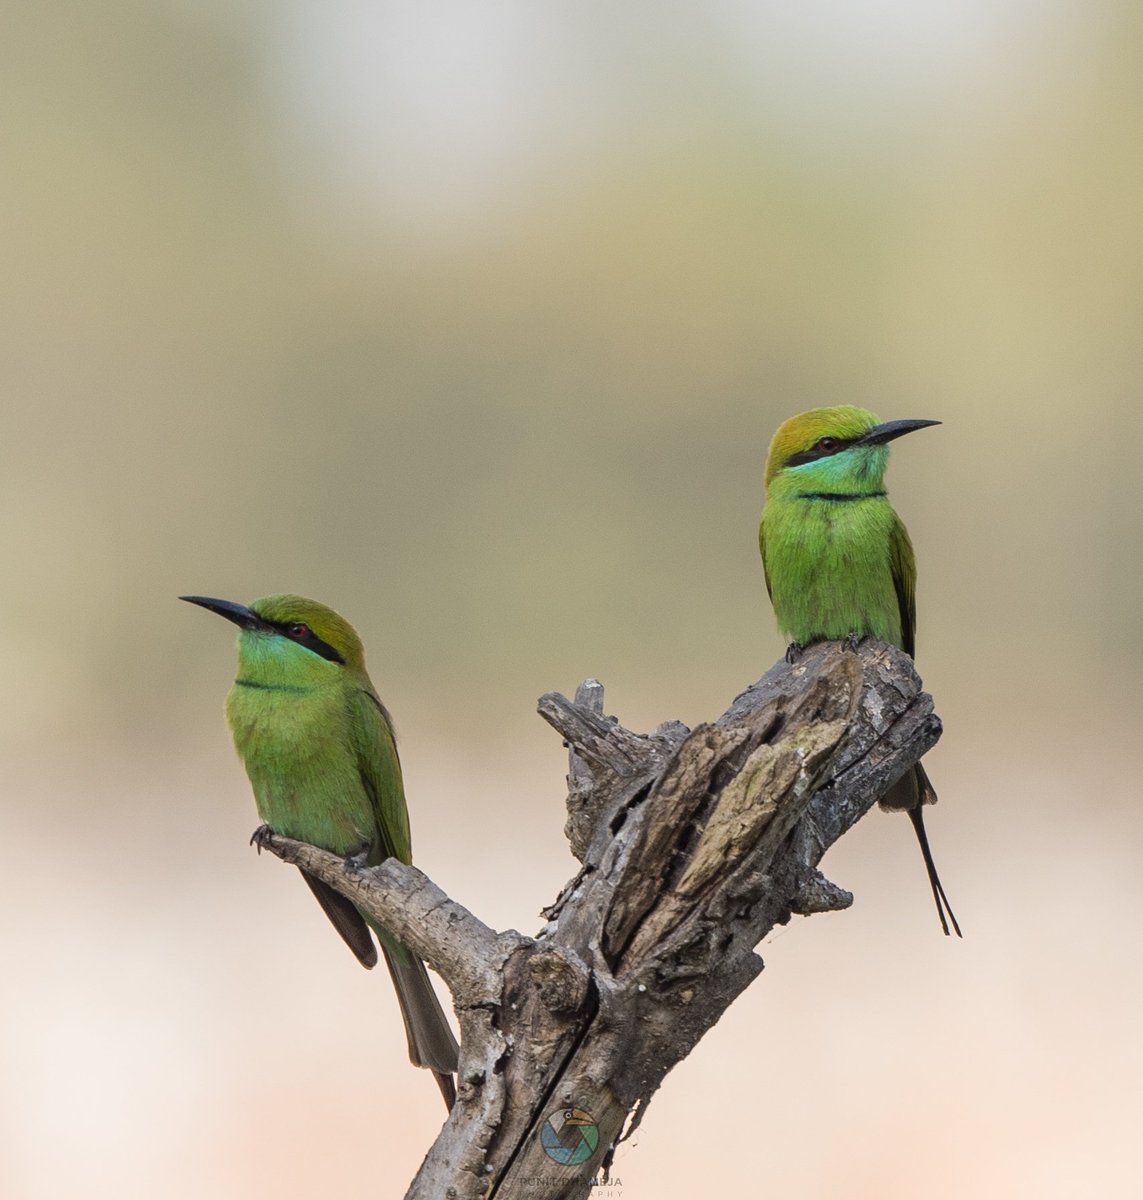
841	497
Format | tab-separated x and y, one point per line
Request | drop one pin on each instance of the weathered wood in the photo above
694	844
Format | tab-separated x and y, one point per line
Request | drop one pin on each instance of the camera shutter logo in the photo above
570	1136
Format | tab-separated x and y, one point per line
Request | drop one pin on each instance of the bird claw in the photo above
794	652
853	640
261	837
358	860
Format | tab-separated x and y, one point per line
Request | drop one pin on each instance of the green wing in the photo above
904	568
765	568
381	774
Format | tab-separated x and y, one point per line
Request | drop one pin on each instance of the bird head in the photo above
286	637
838	449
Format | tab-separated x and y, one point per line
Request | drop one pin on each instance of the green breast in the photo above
298	751
828	565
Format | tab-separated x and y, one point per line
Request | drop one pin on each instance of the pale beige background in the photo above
474	321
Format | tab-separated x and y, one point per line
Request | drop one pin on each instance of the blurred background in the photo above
474	322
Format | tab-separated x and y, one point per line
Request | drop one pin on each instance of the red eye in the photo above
297	630
826	443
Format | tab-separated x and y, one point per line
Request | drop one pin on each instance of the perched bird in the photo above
838	560
319	749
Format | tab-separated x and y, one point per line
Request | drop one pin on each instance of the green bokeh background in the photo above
475	322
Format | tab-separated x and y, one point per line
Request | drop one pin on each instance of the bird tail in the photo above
431	1043
939	897
911	793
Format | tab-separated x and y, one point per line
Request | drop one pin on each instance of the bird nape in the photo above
319	750
838	560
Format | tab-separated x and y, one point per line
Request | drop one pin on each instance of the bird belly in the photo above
829	568
303	772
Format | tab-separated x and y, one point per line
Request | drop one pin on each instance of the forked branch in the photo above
694	844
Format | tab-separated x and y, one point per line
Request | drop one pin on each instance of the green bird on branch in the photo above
319	749
838	560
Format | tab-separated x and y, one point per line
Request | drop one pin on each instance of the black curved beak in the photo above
245	618
888	430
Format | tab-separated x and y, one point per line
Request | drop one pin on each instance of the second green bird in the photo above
319	749
838	559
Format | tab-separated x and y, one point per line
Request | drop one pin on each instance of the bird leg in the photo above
794	652
358	860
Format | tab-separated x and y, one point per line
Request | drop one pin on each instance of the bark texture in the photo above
693	845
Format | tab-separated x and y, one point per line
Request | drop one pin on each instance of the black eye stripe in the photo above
309	639
814	452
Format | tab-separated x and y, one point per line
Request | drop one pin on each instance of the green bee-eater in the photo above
319	749
838	560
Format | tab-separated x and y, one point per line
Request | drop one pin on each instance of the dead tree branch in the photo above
694	844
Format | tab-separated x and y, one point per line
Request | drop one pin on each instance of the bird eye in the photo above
826	444
297	630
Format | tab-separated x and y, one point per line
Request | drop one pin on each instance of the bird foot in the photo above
853	640
794	652
262	837
358	860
